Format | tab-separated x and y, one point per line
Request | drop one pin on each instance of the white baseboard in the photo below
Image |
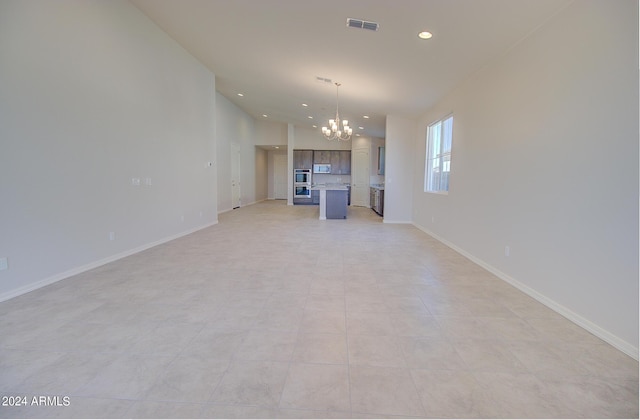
625	347
241	205
95	264
397	222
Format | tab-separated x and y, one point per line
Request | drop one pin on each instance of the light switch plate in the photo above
4	263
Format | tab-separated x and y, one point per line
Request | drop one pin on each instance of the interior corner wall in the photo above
261	174
399	156
235	125
93	95
545	161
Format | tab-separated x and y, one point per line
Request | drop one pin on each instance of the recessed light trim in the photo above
365	117
240	94
425	35
305	105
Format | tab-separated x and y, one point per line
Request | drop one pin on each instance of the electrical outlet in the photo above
507	251
112	236
135	181
182	218
147	181
4	263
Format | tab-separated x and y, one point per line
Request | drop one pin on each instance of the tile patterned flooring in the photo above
275	314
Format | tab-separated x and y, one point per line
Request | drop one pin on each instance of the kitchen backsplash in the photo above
331	179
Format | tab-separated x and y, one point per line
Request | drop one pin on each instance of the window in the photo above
438	157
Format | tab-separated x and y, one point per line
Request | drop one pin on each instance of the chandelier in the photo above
337	130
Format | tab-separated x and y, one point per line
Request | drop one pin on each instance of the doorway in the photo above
280	176
360	177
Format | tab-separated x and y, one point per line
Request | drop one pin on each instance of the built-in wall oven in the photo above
301	191
302	176
301	186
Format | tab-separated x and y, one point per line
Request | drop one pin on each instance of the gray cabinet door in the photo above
341	162
322	156
345	162
303	159
335	162
336	204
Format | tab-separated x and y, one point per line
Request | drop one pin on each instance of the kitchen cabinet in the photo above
315	196
322	156
345	162
303	159
336	204
334	200
341	162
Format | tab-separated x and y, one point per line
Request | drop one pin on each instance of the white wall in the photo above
261	174
270	133
235	125
400	154
271	190
545	160
374	178
92	94
312	139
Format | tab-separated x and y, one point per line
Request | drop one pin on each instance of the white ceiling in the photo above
273	50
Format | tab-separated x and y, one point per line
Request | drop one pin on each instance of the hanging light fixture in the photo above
337	130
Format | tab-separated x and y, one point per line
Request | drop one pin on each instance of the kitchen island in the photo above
333	200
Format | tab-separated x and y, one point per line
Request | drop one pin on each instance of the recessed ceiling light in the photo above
240	94
305	105
314	126
310	117
365	116
265	115
276	147
361	128
425	35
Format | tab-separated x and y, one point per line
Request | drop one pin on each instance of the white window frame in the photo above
437	156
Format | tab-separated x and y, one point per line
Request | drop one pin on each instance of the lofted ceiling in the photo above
273	51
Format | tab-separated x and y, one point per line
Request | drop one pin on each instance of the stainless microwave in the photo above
322	168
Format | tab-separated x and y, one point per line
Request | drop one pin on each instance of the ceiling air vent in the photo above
362	24
323	79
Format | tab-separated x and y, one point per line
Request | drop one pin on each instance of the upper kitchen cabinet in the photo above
341	162
322	156
303	159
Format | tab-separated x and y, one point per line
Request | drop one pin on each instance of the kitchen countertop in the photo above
332	187
377	186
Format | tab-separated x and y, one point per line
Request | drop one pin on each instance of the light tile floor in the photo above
275	314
